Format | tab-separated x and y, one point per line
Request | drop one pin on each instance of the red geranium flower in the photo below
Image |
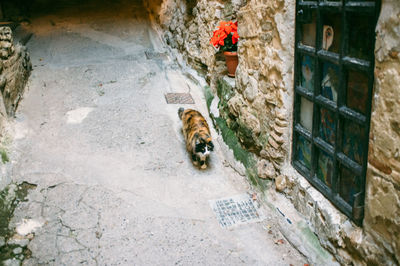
235	37
226	36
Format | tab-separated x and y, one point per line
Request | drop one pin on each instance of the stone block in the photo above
273	143
193	28
281	123
395	178
235	105
280	183
280	130
251	90
271	98
265	169
266	25
250	121
267	37
249	27
277	138
6	34
275	154
265	86
264	154
380	165
282	114
383	199
260	106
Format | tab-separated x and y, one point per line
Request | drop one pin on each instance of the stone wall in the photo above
187	27
15	68
382	216
257	107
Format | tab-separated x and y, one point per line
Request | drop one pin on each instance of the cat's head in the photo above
203	147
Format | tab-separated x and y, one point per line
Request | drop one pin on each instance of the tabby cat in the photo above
197	136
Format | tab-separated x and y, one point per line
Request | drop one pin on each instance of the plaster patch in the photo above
20	131
214	107
28	226
78	115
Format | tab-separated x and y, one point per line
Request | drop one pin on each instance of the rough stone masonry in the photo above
258	108
15	68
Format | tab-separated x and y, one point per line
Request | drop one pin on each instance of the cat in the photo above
197	136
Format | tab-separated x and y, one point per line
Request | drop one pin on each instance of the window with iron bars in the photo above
334	77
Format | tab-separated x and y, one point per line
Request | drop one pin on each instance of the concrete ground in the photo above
114	182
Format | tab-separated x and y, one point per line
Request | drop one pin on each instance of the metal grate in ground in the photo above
179	98
150	54
235	210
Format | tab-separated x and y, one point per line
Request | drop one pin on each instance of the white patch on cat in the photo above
207	152
78	115
203	155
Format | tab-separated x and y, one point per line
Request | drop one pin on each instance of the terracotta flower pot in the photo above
232	61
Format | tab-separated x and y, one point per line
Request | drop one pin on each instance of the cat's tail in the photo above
180	112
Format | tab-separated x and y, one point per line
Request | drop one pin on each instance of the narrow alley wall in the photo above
382	214
15	68
258	104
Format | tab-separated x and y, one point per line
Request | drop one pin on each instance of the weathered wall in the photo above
378	241
264	80
382	216
188	25
15	68
257	106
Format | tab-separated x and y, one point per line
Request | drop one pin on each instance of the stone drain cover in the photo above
179	98
235	210
151	54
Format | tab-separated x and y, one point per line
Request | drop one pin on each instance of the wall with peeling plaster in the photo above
15	68
258	108
382	215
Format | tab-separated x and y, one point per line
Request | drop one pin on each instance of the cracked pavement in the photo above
115	185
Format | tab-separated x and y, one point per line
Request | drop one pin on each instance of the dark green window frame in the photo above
323	152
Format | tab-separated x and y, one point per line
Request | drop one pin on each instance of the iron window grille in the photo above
334	76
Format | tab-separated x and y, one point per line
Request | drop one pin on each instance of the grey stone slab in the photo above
68	244
11	262
65	196
17	250
18	240
88	218
76	257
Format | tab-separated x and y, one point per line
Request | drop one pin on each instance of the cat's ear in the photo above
198	147
210	146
